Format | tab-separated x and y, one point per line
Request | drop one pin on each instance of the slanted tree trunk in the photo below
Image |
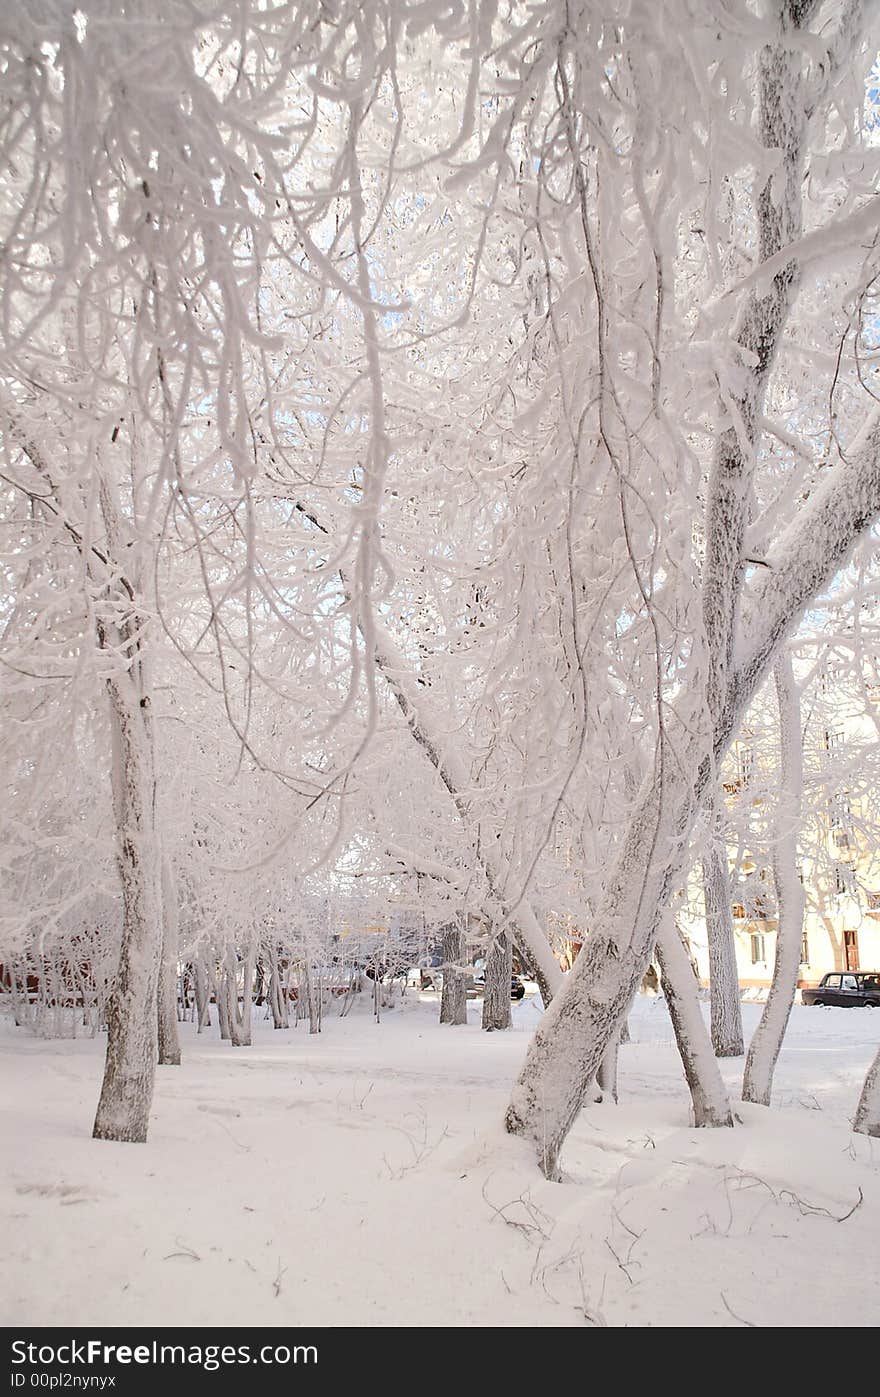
127	1089
767	1041
453	1000
499	973
867	1119
169	1037
709	1099
570	1041
725	1007
548	983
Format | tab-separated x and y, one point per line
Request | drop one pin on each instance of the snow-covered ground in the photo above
361	1178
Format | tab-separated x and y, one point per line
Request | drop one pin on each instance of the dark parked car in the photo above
846	989
517	988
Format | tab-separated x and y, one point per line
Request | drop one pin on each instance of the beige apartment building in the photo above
838	838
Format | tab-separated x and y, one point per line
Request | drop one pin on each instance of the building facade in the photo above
838	835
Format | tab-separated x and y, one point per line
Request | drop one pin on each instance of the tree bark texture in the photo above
278	992
453	1000
725	1007
169	1036
498	973
203	992
127	1088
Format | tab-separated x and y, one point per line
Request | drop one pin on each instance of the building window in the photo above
744	762
874	902
805	949
757	940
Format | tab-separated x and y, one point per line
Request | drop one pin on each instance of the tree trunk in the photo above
203	996
867	1121
312	998
222	997
127	1089
725	1007
498	973
277	995
606	1079
709	1099
453	1000
169	1038
259	988
767	1041
545	970
18	985
570	1042
230	982
564	1056
240	1023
